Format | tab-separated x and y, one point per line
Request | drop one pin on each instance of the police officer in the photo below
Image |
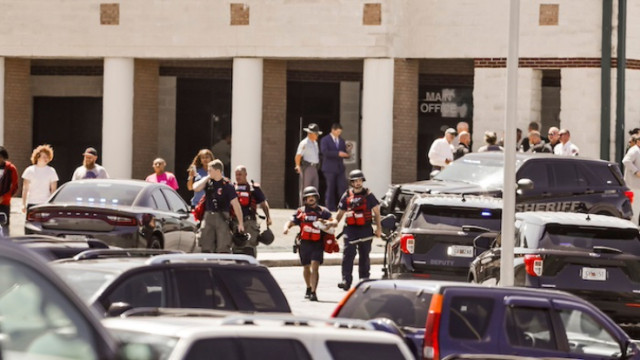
309	217
250	196
220	196
307	158
360	208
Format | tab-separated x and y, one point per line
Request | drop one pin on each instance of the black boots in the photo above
344	285
308	293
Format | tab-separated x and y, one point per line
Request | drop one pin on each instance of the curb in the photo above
329	260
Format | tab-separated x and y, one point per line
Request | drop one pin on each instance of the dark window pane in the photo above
537	173
450	217
530	327
253	290
470	317
606	174
344	350
141	290
566	175
405	308
175	202
223	348
197	289
248	349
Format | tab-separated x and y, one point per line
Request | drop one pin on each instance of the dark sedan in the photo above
124	213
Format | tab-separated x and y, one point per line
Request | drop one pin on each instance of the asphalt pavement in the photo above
279	253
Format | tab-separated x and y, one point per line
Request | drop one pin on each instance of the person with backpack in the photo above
360	208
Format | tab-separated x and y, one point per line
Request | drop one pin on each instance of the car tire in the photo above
155	243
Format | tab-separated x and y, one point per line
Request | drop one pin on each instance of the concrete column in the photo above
2	100
580	110
117	117
377	124
246	116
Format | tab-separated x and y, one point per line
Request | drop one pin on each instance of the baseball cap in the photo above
90	151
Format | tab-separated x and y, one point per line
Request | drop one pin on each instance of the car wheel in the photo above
155	242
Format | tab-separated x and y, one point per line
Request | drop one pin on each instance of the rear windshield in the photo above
93	193
407	308
453	218
582	237
248	348
484	172
86	283
254	289
350	350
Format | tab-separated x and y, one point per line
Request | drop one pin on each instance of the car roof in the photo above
577	219
495	155
459	200
132	182
439	286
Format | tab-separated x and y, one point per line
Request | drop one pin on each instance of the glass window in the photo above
159	200
253	289
404	307
530	327
176	204
536	172
197	289
605	174
248	349
568	237
453	218
568	175
487	172
38	320
92	192
85	282
348	350
146	289
587	336
469	317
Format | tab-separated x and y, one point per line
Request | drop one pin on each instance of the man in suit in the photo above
334	151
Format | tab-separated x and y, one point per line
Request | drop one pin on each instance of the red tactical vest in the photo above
307	230
357	211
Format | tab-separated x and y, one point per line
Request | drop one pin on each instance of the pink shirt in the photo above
164	178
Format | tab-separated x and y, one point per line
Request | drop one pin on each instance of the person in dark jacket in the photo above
334	151
8	186
536	143
463	147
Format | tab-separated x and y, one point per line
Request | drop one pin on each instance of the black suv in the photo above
114	281
435	236
560	183
595	257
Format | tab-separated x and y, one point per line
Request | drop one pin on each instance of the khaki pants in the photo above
214	235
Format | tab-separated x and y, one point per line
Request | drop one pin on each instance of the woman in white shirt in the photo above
39	180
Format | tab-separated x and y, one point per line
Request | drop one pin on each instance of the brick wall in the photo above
145	117
274	117
405	120
18	124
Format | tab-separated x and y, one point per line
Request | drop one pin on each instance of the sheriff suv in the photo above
593	256
560	183
435	236
441	319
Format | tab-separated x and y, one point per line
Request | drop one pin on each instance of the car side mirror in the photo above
118	308
389	222
522	185
483	242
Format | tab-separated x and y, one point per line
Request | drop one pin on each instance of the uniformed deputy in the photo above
220	196
250	196
307	158
311	250
360	208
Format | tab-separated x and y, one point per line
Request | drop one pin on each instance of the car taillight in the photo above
407	243
533	265
121	220
431	349
342	302
38	216
629	195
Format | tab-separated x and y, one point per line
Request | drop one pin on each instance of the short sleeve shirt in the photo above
40	179
219	195
166	178
309	150
98	172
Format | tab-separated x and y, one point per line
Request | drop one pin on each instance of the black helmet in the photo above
310	191
266	237
356	174
240	239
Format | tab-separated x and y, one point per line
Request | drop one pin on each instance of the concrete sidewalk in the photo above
279	253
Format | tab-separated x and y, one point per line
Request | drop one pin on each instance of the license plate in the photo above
460	251
594	274
76	237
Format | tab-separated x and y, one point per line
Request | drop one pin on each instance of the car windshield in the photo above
453	218
407	308
487	173
162	345
95	193
86	283
586	238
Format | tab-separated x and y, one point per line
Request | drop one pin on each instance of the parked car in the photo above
593	256
190	336
42	318
113	281
546	183
435	236
123	213
54	248
449	318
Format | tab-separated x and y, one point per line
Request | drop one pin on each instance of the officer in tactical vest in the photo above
360	208
250	196
220	197
311	218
